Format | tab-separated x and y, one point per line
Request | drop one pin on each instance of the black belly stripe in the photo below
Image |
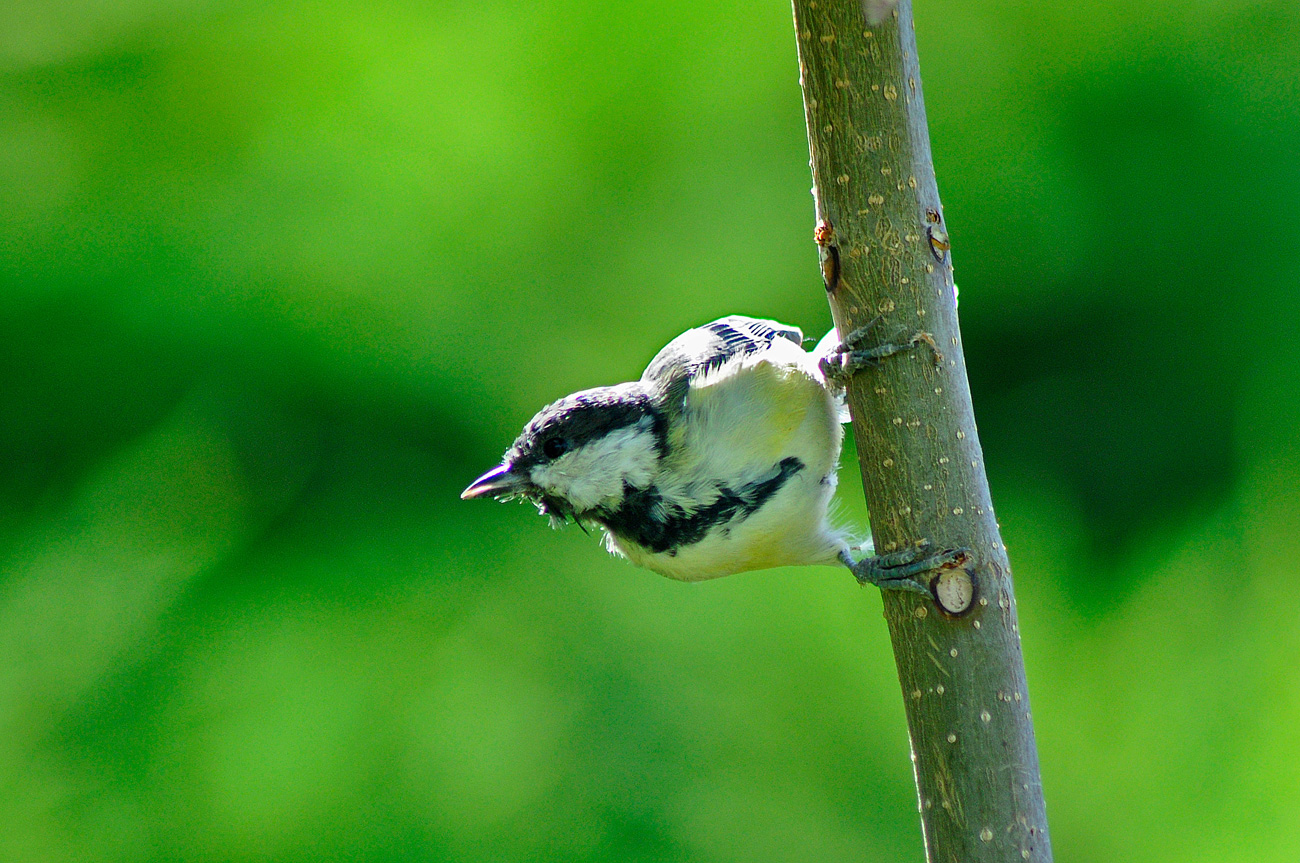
644	518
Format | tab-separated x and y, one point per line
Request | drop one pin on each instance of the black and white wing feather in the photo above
707	348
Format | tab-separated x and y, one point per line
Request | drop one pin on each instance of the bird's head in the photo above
580	454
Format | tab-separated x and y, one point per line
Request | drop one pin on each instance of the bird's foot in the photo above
898	570
852	354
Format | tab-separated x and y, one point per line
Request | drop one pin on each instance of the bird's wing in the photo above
754	412
738	393
707	348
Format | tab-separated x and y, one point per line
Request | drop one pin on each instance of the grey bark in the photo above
885	254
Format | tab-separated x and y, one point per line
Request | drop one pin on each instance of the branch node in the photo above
939	242
829	254
954	588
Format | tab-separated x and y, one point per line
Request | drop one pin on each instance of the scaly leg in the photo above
897	570
852	354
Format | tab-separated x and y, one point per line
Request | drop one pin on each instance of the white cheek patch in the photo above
594	473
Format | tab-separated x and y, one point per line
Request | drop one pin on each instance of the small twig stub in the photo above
829	254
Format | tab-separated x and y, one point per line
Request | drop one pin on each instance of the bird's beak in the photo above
497	482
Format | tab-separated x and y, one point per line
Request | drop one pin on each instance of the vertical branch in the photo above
885	254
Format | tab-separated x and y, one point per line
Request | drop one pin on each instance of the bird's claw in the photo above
852	354
898	570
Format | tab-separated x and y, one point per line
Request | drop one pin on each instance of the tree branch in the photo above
885	254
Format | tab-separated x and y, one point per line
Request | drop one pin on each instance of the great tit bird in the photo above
722	458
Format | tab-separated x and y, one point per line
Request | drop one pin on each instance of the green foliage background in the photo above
278	280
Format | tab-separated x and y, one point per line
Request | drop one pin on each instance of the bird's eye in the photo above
555	447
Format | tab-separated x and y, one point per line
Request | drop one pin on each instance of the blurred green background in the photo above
278	280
